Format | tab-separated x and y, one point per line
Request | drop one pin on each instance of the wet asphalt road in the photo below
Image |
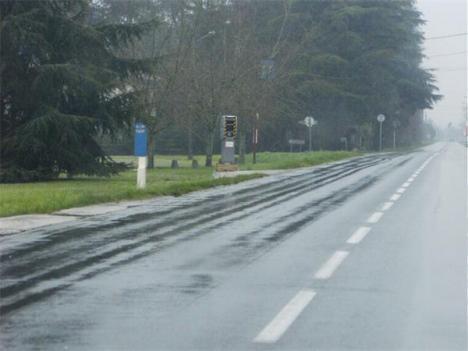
364	254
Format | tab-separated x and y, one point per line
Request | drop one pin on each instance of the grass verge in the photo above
265	160
47	197
287	160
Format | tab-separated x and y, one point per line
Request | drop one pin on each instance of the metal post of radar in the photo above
141	151
228	135
380	119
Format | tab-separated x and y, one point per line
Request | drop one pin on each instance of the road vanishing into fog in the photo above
364	254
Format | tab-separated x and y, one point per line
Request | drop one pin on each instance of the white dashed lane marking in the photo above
329	267
375	217
386	206
358	235
283	320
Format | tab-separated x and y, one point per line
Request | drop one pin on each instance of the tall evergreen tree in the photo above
61	85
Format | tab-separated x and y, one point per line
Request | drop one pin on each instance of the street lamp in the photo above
209	34
380	119
255	138
196	44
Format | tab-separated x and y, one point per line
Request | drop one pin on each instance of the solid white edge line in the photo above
329	267
283	320
386	206
358	235
375	217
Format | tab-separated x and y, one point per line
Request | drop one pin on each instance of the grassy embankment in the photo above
47	197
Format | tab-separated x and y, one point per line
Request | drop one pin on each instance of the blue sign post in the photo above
141	140
141	150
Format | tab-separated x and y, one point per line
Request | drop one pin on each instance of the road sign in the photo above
296	142
141	139
381	118
292	142
310	121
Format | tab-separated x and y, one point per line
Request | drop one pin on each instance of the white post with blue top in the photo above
141	151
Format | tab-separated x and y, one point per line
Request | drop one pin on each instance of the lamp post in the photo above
255	139
196	43
396	125
380	119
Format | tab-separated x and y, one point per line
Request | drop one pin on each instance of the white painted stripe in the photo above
358	235
411	179
405	185
386	206
395	197
401	190
329	267
283	320
375	217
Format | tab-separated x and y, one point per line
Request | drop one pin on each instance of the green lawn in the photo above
265	160
286	160
47	197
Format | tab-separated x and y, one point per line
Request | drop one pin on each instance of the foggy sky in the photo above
446	17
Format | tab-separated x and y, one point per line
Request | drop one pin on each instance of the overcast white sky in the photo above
446	17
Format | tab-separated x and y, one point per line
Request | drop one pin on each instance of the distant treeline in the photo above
75	75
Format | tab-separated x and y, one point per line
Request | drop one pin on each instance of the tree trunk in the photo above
209	149
151	145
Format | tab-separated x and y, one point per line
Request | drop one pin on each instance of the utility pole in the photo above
190	139
255	139
195	44
396	124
